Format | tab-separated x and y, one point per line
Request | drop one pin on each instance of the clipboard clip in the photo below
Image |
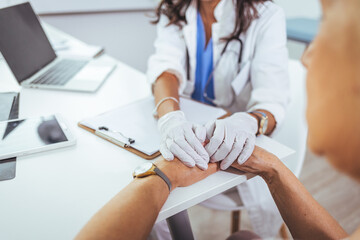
130	140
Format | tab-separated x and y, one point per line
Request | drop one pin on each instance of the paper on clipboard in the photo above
137	122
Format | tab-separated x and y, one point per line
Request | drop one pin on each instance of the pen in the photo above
111	139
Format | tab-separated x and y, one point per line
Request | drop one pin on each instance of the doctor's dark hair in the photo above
175	10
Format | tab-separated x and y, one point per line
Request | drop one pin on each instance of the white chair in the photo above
293	134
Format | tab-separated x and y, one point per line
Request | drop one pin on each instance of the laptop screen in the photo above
23	42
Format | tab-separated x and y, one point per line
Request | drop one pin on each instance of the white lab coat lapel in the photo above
216	31
226	65
189	32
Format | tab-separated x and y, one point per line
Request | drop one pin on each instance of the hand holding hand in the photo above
183	140
232	138
261	163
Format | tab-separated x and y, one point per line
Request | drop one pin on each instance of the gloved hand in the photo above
182	139
231	139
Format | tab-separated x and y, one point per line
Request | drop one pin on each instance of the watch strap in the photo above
261	113
163	176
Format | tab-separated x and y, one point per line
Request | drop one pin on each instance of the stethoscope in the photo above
216	65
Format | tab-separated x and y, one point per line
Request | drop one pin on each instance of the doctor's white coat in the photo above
260	81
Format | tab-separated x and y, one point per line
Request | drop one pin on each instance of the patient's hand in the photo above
181	175
261	163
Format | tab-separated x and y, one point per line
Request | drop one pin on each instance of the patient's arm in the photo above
133	211
305	218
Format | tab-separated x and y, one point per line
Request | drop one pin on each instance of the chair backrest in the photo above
302	29
293	132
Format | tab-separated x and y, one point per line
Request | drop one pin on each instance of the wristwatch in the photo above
148	169
263	121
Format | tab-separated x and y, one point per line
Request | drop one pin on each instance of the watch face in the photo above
143	168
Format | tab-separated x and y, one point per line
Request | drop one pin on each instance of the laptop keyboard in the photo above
60	73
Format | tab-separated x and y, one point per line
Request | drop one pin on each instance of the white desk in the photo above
55	193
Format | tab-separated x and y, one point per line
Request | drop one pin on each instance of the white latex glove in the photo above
231	139
183	139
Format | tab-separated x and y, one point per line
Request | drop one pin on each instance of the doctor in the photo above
226	53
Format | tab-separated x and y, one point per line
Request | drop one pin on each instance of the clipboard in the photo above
129	148
141	113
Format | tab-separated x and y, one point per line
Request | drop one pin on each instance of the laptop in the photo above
33	61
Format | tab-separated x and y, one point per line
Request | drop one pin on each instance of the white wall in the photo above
127	36
5	3
301	8
68	6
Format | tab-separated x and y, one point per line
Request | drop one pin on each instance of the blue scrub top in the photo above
204	64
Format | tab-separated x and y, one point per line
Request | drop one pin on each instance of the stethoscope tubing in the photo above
216	65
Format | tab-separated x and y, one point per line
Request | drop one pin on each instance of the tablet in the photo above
26	136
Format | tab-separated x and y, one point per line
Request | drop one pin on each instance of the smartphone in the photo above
21	137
